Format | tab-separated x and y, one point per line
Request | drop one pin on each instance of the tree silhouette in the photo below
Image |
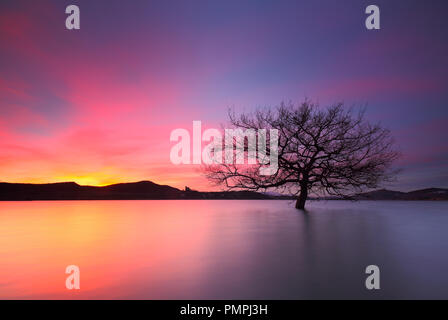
330	151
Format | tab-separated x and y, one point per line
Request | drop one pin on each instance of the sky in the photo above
97	105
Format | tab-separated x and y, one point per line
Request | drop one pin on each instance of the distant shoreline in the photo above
147	190
272	199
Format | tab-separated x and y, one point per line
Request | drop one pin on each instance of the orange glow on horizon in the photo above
171	175
98	179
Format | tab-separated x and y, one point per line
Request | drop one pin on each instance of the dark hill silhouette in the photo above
428	194
121	191
423	194
149	190
382	194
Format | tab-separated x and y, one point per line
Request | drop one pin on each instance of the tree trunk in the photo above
300	203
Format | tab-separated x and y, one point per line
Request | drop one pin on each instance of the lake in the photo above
229	249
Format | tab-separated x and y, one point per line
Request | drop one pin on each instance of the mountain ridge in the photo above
141	190
421	194
149	190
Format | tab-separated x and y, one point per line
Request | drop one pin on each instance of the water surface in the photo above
229	249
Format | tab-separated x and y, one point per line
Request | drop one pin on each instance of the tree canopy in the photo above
332	151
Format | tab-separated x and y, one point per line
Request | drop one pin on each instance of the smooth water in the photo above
229	249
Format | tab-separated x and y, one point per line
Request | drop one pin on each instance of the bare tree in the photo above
329	151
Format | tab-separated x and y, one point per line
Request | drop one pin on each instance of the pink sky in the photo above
96	106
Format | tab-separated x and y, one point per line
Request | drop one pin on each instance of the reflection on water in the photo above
223	249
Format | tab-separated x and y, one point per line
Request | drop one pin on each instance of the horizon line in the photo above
191	189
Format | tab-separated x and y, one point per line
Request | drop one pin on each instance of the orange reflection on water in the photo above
118	245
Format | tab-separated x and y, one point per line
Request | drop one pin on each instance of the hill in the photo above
122	191
149	190
423	194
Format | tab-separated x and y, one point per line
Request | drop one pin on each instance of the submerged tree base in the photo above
300	206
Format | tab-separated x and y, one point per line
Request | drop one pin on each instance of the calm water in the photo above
223	249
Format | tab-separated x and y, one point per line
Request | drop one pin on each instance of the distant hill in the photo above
423	194
149	190
382	194
122	191
428	194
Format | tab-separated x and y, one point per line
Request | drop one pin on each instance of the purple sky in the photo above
96	105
